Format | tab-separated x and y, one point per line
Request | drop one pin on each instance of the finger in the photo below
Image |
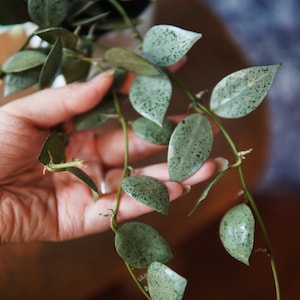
53	106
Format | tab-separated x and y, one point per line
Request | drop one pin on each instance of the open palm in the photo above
57	206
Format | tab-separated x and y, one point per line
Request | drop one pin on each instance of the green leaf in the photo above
123	58
151	132
148	191
53	150
140	245
164	45
48	13
237	232
150	96
15	82
189	147
86	179
164	283
13	12
23	61
51	64
239	93
50	35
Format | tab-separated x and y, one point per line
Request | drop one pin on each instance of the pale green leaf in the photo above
23	61
164	283
150	96
148	191
123	58
237	232
151	132
48	13
51	65
139	245
239	93
164	45
189	147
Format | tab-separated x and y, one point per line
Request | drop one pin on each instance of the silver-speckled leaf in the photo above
150	96
164	45
123	58
151	132
148	191
237	232
46	13
164	283
51	64
189	147
23	61
239	93
139	245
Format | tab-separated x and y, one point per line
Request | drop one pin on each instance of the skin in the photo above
57	206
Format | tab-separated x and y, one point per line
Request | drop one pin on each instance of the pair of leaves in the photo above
237	232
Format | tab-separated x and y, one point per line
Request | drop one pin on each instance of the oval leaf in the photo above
50	35
123	58
151	132
150	96
241	92
46	13
164	45
164	283
148	191
23	61
140	245
51	64
237	232
189	147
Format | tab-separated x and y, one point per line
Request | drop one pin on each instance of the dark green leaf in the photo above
16	82
23	61
123	58
51	65
86	179
48	13
50	35
148	191
150	96
164	283
237	232
53	150
13	12
140	245
241	92
164	45
151	132
189	147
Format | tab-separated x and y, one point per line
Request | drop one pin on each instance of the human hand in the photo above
57	206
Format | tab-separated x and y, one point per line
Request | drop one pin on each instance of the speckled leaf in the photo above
189	147
50	35
150	96
151	132
237	232
15	82
139	245
239	93
164	283
23	61
164	45
46	13
53	149
51	64
148	191
123	58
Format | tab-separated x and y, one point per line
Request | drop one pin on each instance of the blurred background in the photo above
236	34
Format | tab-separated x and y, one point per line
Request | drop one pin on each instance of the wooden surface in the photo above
85	268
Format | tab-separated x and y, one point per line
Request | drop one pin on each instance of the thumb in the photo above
52	106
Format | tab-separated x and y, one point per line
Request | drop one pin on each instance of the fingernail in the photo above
186	189
222	163
108	72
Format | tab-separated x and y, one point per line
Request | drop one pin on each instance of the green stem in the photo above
238	165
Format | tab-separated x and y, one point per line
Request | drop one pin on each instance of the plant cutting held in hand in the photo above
67	43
